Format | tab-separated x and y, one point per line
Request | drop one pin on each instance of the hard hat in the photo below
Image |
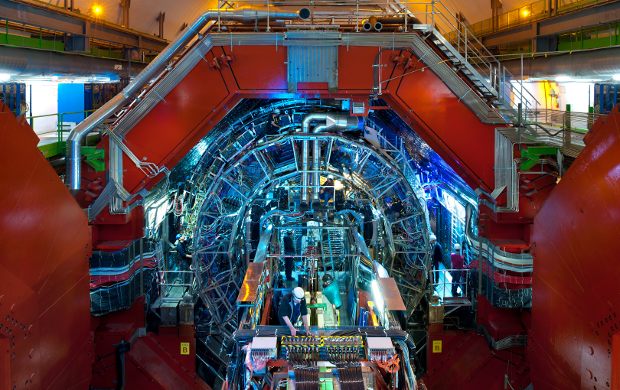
433	237
330	176
388	199
457	247
179	236
276	111
298	292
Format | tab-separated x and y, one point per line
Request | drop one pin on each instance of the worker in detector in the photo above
327	190
437	256
458	264
184	258
292	306
392	210
273	124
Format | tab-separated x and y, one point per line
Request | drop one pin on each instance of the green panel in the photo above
589	39
53	149
36	43
317	306
531	155
105	53
94	157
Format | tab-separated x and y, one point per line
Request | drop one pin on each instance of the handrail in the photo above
443	20
566	120
448	281
528	13
59	122
485	249
151	71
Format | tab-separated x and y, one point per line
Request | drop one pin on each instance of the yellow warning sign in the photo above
185	348
437	346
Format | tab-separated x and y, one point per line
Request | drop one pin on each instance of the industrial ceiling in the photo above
144	13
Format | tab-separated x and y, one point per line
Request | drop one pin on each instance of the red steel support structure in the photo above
45	337
576	301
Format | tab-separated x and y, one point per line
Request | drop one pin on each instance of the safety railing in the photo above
501	288
578	122
174	283
562	129
26	35
529	13
16	33
53	129
451	283
444	20
440	17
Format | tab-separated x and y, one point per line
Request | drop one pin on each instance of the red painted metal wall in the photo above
464	361
190	110
45	339
576	298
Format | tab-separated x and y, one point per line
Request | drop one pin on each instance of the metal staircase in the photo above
460	55
462	65
332	247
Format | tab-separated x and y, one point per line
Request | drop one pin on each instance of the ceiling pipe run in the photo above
394	22
74	156
332	121
20	62
592	64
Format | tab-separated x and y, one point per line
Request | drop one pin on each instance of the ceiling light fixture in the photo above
97	10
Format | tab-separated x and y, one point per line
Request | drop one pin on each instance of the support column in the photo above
161	18
552	7
496	9
87	34
125	4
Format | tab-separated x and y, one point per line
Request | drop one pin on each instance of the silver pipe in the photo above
304	167
78	134
28	62
517	262
332	120
305	124
316	165
600	63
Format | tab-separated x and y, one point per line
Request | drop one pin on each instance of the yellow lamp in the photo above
525	12
97	10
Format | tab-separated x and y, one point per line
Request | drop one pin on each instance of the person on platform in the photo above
392	210
184	258
273	124
289	252
458	264
292	306
437	256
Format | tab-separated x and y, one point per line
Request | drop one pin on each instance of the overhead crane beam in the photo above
58	19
